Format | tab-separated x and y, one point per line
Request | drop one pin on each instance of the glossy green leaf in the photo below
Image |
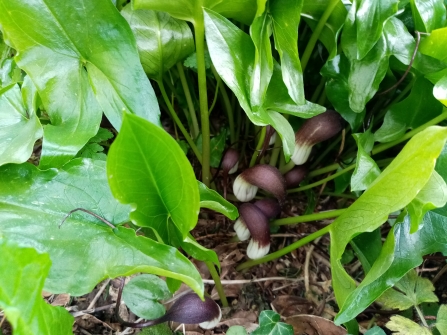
388	193
10	73
285	20
371	16
191	10
440	90
269	324
367	247
401	252
84	250
434	44
162	41
148	169
366	170
416	109
412	290
433	195
278	99
260	31
428	14
232	52
20	127
212	200
337	89
375	331
312	12
403	326
142	293
74	52
441	320
23	274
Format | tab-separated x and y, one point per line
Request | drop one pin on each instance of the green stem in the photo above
192	112
216	92
287	167
316	33
309	218
322	181
385	146
227	104
219	287
318	90
199	31
421	316
258	147
275	152
178	122
340	195
286	250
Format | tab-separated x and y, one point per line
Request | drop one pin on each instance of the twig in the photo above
91	311
88	212
98	294
248	281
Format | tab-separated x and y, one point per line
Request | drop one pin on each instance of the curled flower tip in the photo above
241	229
270	207
295	176
190	309
315	130
230	161
262	176
258	225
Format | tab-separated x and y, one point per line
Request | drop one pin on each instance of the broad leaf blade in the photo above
85	50
162	41
142	293
403	326
388	193
285	19
428	14
269	324
83	251
20	125
191	10
23	274
147	168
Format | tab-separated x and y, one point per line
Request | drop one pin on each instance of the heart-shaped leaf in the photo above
76	52
84	250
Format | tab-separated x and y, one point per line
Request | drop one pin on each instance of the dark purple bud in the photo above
295	176
315	130
262	176
190	309
270	207
258	225
230	161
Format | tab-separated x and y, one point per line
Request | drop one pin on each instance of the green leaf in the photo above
433	195
403	326
367	247
375	331
370	17
239	330
196	251
416	109
162	41
337	89
428	14
148	169
278	99
413	291
388	193
191	10
142	293
73	57
260	32
269	324
20	125
10	73
285	20
23	274
401	252
440	90
434	44
84	250
441	320
313	11
232	52
366	170
212	200
93	149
